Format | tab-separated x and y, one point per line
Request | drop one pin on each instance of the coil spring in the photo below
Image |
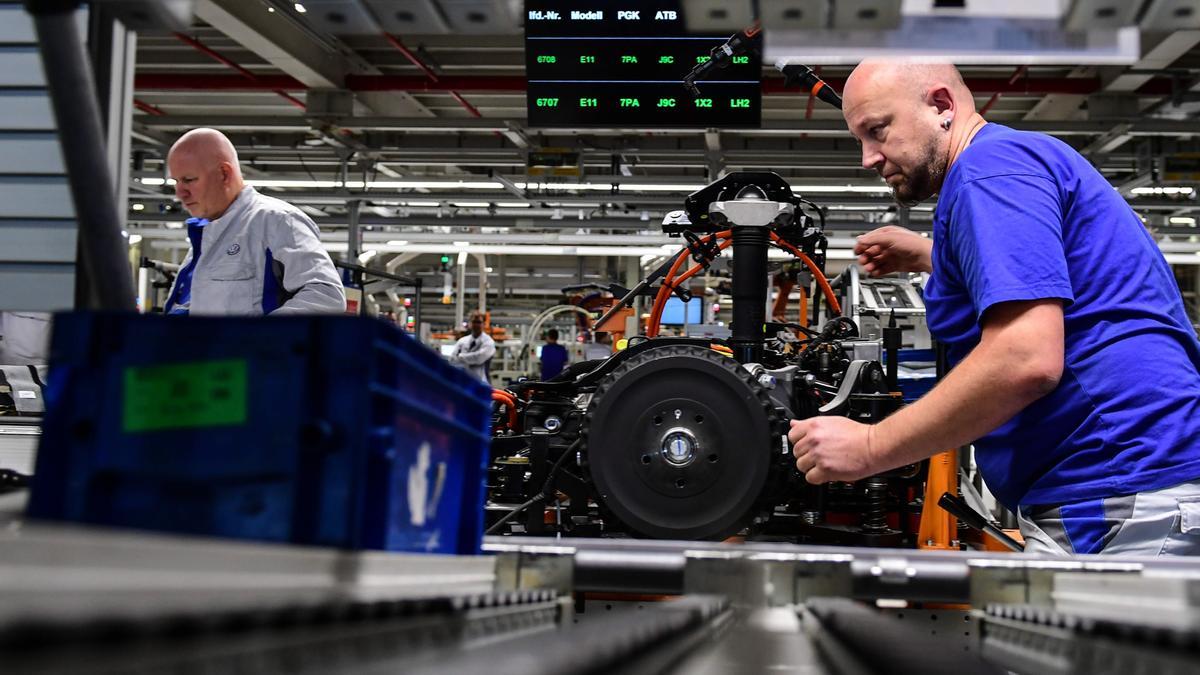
875	516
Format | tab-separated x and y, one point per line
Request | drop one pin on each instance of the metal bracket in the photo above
845	389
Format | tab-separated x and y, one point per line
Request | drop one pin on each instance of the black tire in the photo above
681	404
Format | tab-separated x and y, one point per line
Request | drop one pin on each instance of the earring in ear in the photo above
947	122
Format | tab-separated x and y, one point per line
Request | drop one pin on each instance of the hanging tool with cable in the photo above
750	40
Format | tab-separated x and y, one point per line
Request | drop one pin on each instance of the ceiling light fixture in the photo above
563	187
1168	190
437	184
282	183
645	187
870	189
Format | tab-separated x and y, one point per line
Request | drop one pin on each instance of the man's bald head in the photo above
906	115
207	145
207	176
913	79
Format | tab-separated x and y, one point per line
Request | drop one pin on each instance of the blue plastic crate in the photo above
914	388
332	431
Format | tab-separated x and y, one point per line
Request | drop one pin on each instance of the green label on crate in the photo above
185	395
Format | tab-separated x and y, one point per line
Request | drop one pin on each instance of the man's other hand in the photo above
893	249
831	449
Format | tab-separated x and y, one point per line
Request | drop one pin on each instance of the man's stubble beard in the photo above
925	179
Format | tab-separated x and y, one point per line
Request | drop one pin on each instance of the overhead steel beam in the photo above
1017	74
1156	58
1108	141
226	61
336	223
277	41
306	62
713	157
1151	86
572	248
516	135
842	207
823	127
480	150
298	123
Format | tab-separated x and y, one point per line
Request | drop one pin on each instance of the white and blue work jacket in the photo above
262	256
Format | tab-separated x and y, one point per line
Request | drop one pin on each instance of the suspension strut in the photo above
750	244
750	214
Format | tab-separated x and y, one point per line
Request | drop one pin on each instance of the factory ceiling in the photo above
420	115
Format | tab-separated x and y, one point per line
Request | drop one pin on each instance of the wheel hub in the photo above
680	446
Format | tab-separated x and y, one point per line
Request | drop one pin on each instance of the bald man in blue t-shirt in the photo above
1076	371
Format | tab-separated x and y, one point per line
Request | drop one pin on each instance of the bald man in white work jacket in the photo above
250	254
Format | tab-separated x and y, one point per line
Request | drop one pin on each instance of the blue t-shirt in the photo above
554	359
1022	216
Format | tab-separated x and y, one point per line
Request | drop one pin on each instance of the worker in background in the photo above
474	351
250	254
1075	367
554	356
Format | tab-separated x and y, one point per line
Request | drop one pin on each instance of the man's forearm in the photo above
979	395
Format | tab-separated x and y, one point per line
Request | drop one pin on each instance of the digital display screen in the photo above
621	63
676	313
